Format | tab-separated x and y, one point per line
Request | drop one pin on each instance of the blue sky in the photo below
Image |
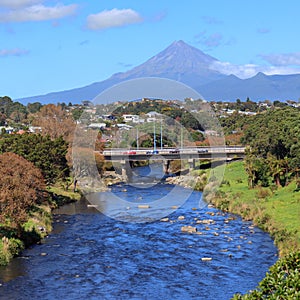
49	46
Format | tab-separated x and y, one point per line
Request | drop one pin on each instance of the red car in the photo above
130	152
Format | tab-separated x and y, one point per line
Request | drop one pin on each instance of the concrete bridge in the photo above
166	155
205	153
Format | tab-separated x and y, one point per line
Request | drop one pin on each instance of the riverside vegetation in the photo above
276	212
36	174
264	188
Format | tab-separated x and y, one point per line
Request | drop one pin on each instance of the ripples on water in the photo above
91	256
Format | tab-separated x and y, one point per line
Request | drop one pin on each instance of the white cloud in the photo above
250	70
38	13
113	18
18	3
285	59
13	52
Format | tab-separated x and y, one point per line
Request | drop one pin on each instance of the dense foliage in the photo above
55	121
21	187
281	282
171	109
274	153
46	154
9	109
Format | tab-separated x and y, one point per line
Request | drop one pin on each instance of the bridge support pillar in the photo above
166	166
191	162
126	169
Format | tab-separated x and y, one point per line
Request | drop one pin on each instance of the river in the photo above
90	255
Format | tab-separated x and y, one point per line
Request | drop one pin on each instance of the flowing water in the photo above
92	256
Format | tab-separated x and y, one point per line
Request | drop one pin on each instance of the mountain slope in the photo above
192	67
258	87
179	62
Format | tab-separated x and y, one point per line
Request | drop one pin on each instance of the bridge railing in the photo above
124	151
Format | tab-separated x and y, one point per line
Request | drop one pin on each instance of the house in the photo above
152	116
35	129
131	118
7	129
124	126
97	125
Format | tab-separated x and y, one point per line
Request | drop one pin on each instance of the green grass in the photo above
284	207
37	226
277	212
60	196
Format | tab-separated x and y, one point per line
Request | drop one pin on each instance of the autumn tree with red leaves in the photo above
21	187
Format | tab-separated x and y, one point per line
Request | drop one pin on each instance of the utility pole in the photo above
181	137
154	137
161	137
137	138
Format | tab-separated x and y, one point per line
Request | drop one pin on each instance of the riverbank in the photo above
87	250
276	211
38	225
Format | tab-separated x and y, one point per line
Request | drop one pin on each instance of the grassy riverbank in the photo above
37	226
276	211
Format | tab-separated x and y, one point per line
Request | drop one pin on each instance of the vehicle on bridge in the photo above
174	150
130	152
202	150
152	152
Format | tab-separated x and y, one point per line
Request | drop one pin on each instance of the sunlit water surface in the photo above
91	256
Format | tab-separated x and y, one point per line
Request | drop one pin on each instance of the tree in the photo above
274	138
77	112
34	107
3	118
46	154
13	110
21	187
189	121
55	122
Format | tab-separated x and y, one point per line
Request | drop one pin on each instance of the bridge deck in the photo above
172	154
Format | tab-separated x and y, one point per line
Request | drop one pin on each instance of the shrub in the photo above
263	193
9	248
281	282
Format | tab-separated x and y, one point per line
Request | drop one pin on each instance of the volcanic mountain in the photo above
179	62
191	66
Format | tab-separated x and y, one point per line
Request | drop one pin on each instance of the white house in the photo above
7	129
97	125
131	118
152	116
124	126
